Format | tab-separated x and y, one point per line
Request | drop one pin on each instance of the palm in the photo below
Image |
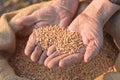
91	33
58	12
92	36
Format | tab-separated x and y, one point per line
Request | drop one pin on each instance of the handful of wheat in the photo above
64	40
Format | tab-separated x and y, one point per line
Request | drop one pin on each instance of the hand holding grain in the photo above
91	33
89	24
59	12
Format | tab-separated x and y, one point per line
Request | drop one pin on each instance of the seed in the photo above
65	41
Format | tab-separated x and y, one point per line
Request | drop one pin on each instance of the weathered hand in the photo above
89	25
91	33
58	12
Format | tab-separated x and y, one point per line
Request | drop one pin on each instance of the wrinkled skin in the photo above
90	31
59	12
89	28
92	43
89	24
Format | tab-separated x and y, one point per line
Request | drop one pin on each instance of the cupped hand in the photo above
90	31
58	12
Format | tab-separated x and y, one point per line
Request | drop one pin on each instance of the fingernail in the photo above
40	62
89	59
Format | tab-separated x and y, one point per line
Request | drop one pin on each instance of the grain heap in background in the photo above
64	40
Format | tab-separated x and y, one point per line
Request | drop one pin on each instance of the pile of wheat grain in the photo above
24	67
64	40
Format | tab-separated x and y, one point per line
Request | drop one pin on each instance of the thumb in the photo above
91	51
27	21
74	26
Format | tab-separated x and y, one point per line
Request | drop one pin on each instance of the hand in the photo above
90	30
59	12
89	25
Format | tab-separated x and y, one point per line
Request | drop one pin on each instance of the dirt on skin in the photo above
23	66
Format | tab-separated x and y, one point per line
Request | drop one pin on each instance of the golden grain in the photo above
64	40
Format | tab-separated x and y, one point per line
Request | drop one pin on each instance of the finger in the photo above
66	5
55	61
72	59
50	57
43	57
27	21
51	49
64	22
85	40
42	24
31	43
36	53
74	23
66	11
91	50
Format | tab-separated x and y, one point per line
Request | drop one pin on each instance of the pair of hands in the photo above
60	12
